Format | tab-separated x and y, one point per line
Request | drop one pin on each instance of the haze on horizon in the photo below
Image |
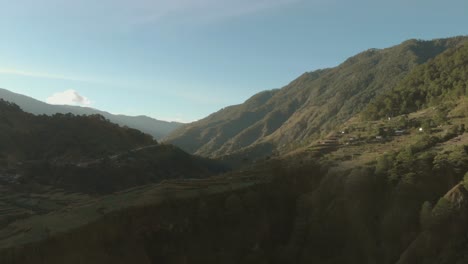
182	60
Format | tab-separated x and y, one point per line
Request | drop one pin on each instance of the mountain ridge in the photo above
87	154
156	128
308	107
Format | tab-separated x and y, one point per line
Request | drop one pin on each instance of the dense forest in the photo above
24	136
88	153
443	79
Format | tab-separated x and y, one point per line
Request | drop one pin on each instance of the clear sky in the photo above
184	59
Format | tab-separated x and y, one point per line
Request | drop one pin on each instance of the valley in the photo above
363	163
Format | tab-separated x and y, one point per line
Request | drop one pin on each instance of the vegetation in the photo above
465	181
62	136
88	153
441	80
302	214
311	106
370	191
156	128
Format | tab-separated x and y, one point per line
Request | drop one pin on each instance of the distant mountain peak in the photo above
156	128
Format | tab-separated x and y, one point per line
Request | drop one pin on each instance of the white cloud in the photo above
68	97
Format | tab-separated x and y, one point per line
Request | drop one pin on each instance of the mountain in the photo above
25	136
87	153
398	200
156	128
373	190
443	79
309	107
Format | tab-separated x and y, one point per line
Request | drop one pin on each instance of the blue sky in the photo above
184	59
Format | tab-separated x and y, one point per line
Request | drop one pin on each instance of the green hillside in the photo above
400	200
307	108
28	137
87	154
441	80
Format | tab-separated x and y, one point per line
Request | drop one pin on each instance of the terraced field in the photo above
36	216
32	212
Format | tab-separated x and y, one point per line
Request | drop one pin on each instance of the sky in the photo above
181	60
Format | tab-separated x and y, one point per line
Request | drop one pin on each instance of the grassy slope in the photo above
308	107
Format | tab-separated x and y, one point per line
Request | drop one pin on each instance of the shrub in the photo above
465	181
441	212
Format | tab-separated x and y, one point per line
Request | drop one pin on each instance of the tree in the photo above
427	125
381	132
403	164
465	181
442	211
403	121
384	164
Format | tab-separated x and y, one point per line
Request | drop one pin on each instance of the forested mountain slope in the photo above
25	136
310	106
87	153
442	80
405	206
